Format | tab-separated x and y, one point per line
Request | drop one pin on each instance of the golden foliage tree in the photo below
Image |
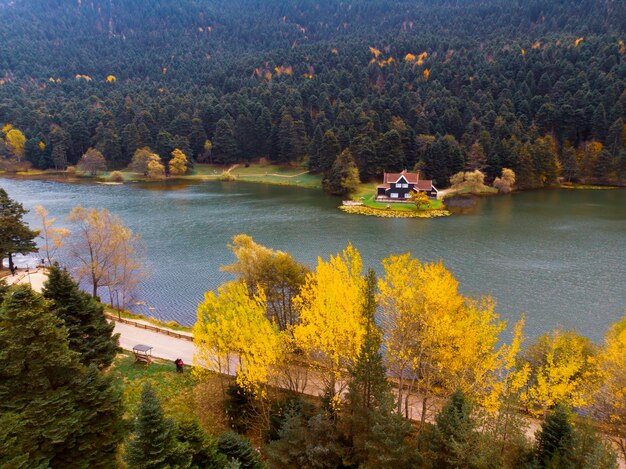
232	334
332	323
178	163
562	368
16	140
278	274
141	162
610	399
53	238
420	199
437	340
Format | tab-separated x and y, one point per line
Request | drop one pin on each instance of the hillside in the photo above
536	86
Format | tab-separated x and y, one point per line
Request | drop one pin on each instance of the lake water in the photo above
558	256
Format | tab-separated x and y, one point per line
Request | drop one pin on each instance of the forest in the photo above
441	86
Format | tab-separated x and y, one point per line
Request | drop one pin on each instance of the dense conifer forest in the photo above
537	86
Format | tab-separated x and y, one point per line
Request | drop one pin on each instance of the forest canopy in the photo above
445	86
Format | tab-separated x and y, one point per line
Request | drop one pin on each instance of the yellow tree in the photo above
609	403
332	324
276	272
92	162
438	341
142	159
178	163
53	238
562	368
15	141
232	335
420	199
156	170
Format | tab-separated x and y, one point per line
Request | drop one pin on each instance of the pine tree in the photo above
555	440
453	439
89	333
202	448
238	448
390	153
15	236
343	177
52	411
378	434
153	443
225	148
329	151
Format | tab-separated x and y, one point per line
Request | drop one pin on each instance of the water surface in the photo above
558	256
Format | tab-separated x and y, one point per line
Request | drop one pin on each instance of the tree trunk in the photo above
423	419
11	266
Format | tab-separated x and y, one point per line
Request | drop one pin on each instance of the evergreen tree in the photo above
15	236
554	440
153	443
224	144
89	333
379	435
239	448
202	448
52	411
452	441
390	152
343	177
329	151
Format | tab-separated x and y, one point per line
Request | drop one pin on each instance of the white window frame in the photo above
394	195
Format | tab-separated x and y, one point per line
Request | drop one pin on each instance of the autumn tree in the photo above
104	248
562	369
506	182
420	199
142	159
609	404
233	336
15	236
156	170
332	323
53	238
430	350
15	140
277	273
92	162
178	163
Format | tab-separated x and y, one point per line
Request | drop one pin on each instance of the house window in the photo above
406	196
394	195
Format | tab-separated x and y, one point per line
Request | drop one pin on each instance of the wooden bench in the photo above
143	353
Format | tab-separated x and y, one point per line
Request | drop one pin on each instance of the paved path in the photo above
166	347
33	277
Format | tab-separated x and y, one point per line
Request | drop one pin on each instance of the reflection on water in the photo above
557	256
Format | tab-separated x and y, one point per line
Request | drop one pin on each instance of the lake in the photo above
558	256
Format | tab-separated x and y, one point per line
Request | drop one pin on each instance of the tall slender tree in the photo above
15	236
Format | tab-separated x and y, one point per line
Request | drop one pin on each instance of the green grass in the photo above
173	389
366	193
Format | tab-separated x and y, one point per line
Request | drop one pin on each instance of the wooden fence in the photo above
150	327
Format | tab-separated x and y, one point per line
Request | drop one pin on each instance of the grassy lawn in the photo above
366	193
268	174
174	389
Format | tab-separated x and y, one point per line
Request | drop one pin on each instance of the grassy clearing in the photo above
174	389
366	193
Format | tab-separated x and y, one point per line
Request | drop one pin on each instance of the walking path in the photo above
33	277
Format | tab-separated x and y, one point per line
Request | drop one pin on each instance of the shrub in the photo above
116	176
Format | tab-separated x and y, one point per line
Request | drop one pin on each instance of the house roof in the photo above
425	185
411	178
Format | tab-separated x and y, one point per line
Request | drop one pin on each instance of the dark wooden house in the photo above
397	186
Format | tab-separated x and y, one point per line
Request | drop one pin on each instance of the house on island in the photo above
397	187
